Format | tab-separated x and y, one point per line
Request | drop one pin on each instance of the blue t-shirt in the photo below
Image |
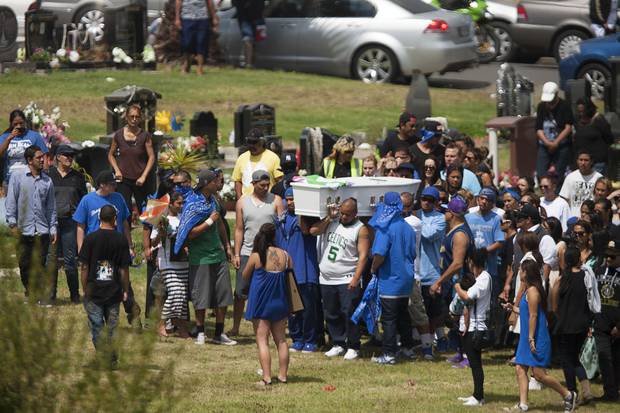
486	230
301	248
397	245
14	156
87	212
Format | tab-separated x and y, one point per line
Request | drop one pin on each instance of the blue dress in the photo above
525	357
267	298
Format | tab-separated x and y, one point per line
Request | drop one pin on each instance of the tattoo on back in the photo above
275	259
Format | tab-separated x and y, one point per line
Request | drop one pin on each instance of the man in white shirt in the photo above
579	185
554	205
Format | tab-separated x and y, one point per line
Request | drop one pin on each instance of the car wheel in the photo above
598	76
375	64
488	43
93	20
566	43
507	49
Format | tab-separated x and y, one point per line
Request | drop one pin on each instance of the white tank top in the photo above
339	255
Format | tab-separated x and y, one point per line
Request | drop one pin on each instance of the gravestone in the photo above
418	99
125	27
118	101
205	124
40	31
258	115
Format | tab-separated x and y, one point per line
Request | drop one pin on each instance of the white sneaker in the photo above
474	402
200	340
224	340
465	399
334	351
534	384
517	408
351	354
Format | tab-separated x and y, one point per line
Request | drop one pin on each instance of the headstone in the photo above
258	115
125	27
418	99
118	101
576	89
205	124
40	31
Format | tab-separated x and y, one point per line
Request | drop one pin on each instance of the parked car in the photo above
90	12
503	13
373	40
591	62
551	27
12	22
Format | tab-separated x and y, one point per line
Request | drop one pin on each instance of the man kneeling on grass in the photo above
104	272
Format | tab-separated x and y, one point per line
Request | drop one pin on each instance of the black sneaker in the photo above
570	402
193	333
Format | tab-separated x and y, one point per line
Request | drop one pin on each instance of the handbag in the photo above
589	357
295	303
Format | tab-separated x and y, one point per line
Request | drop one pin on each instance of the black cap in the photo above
406	165
65	150
204	177
529	211
105	177
433	126
255	135
613	248
288	163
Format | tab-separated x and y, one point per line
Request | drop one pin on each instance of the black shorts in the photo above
434	304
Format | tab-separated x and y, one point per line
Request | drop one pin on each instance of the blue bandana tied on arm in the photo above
196	209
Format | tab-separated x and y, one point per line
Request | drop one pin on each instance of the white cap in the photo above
549	91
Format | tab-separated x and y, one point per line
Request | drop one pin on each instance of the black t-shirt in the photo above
609	290
573	315
393	142
420	157
595	137
561	115
68	191
105	252
505	256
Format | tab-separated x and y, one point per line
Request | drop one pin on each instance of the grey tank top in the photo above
254	216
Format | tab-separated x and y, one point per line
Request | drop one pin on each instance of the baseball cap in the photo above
613	248
204	177
260	175
549	91
254	135
404	118
289	193
430	191
65	150
529	211
488	193
457	205
106	177
406	165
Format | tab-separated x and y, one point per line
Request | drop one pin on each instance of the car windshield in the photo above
415	6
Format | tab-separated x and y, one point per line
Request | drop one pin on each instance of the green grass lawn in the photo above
301	100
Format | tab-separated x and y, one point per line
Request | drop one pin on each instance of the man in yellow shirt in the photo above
256	158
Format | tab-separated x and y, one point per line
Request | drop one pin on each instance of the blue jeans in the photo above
396	321
67	247
100	316
195	36
302	326
339	304
561	158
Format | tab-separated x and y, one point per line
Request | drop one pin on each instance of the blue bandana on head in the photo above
288	192
387	211
513	193
183	190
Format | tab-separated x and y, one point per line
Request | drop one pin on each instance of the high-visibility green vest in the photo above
329	165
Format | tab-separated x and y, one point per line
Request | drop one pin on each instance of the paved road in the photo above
484	76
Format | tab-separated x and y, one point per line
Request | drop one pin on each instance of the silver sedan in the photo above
373	40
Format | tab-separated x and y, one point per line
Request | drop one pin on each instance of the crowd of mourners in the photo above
458	266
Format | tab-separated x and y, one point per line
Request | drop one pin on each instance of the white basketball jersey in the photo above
339	255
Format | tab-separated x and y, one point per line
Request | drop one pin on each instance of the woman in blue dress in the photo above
534	348
268	306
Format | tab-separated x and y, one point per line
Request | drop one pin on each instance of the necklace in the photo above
607	290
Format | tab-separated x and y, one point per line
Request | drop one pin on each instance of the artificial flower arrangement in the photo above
184	153
228	191
507	179
49	125
40	56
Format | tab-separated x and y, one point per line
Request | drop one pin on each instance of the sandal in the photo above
263	383
282	381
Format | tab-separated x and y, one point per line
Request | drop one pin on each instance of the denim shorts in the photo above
195	36
248	29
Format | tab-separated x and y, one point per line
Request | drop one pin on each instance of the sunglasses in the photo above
544	186
427	199
429	167
579	233
390	169
134	117
349	152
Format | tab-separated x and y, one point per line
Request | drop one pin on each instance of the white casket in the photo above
312	199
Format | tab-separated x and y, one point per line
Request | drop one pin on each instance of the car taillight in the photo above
521	13
437	25
34	6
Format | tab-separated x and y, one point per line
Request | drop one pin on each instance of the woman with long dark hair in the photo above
454	179
573	319
14	141
478	299
132	158
430	175
268	307
534	348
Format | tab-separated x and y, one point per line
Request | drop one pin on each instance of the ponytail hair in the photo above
265	238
